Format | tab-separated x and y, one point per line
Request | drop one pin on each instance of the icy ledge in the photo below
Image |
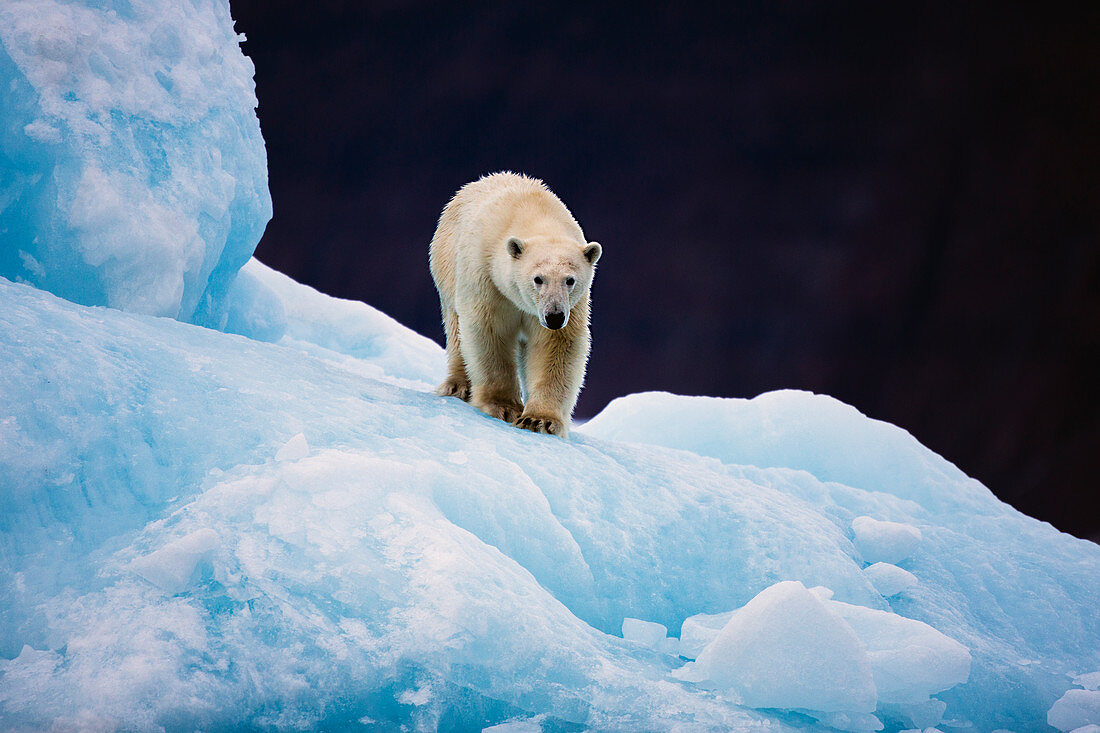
202	530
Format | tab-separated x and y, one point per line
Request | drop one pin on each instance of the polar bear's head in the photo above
551	276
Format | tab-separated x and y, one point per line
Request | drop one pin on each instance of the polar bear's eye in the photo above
538	280
570	282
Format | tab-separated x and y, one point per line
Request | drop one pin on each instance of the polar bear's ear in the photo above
515	247
592	252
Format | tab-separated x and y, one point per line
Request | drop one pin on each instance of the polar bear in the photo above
513	270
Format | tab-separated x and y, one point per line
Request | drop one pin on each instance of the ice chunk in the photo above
888	542
518	725
134	172
1090	728
890	580
650	635
790	429
699	630
1090	681
177	565
646	633
856	722
785	649
1075	709
922	715
294	449
910	660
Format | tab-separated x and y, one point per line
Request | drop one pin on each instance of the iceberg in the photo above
132	170
230	501
206	530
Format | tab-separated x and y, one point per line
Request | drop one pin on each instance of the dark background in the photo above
898	206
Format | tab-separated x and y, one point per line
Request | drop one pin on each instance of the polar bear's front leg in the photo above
490	355
457	383
556	362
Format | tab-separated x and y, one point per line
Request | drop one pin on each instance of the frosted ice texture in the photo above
132	170
420	564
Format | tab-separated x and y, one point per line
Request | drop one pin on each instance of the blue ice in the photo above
205	529
132	170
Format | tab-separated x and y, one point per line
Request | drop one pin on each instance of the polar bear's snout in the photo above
555	319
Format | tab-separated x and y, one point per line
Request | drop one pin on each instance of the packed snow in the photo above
272	522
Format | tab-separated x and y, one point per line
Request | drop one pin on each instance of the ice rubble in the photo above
850	660
132	170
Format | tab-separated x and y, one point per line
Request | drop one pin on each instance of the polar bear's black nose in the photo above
555	320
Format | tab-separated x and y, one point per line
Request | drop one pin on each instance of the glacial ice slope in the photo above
132	170
409	561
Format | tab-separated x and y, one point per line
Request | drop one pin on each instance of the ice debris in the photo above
650	635
785	649
774	651
890	580
179	563
1075	709
1089	680
294	449
888	542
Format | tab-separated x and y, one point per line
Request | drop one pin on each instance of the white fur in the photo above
496	236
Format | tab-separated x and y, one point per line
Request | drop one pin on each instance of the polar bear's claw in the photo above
453	387
545	425
506	411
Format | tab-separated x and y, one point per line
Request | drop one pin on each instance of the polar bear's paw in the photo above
505	410
546	424
455	387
